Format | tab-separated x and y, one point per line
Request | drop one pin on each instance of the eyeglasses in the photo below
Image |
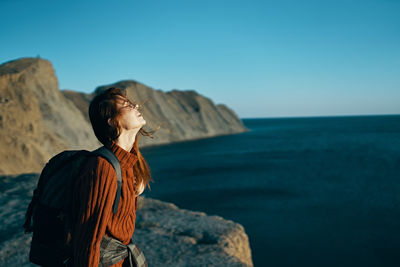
131	105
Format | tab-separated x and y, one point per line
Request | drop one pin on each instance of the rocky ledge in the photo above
168	236
171	236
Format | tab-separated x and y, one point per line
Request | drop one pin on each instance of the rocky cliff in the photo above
37	120
168	236
183	115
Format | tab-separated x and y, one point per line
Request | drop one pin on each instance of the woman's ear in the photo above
109	121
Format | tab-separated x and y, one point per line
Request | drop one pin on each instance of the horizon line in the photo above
319	116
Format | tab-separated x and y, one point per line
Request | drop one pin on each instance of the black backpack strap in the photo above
110	157
29	213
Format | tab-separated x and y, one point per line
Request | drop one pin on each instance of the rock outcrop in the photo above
168	236
177	237
37	120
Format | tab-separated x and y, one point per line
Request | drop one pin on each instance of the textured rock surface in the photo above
37	120
169	236
175	237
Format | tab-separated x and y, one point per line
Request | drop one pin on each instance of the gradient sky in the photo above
262	58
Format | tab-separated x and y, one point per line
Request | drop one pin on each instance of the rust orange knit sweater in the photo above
93	198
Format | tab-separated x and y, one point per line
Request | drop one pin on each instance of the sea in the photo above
309	191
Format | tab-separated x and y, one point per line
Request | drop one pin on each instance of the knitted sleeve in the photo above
93	199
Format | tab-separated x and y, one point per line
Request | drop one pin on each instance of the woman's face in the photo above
130	117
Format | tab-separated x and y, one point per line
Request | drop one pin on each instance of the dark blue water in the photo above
309	191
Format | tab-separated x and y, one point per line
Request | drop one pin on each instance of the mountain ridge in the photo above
38	120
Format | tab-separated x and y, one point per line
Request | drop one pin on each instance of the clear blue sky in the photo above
261	58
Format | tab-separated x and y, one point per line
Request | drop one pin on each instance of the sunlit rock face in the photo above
37	120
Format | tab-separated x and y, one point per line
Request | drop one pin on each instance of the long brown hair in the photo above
104	107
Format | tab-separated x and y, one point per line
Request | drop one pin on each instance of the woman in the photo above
116	122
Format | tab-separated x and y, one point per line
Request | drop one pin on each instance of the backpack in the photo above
49	213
